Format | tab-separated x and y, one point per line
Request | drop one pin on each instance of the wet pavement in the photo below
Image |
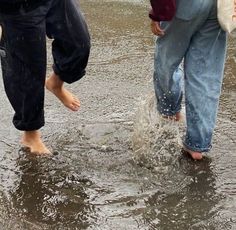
117	165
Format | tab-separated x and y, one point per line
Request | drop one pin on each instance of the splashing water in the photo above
156	141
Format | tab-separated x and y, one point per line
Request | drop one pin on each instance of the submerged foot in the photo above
32	141
177	117
55	86
194	155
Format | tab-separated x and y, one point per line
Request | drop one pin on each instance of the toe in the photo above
196	156
74	107
76	103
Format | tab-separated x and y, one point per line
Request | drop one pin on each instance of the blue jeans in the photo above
195	39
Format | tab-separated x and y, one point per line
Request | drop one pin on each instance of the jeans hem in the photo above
207	149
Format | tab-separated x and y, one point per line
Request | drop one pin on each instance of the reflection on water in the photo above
188	204
118	165
48	194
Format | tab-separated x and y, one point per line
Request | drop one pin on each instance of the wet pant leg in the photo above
169	53
65	24
190	36
24	66
204	66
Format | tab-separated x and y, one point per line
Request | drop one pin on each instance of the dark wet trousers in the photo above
24	66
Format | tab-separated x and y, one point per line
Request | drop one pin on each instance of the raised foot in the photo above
32	141
55	86
194	155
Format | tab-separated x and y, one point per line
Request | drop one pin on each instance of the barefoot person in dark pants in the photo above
25	24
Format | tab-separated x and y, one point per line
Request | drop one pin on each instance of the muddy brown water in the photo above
100	178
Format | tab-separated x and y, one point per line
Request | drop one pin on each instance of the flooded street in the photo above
116	165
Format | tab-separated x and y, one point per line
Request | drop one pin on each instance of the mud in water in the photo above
117	165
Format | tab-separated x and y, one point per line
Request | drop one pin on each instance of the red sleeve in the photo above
162	10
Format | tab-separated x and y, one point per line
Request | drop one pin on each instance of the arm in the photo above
162	10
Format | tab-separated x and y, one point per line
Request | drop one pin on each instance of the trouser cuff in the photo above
28	126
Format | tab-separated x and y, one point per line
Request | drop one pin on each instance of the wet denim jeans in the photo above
193	38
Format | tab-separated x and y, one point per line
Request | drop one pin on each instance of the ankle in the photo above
29	135
33	142
193	154
54	82
177	117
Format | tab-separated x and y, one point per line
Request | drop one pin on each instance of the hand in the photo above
156	29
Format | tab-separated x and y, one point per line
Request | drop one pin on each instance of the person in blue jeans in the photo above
25	24
192	37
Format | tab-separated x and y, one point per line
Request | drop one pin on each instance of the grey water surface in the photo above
117	165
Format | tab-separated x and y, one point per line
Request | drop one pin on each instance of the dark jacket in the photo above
162	10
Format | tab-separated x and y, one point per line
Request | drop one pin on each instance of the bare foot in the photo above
194	155
32	141
177	117
55	85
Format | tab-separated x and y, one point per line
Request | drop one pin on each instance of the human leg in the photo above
204	65
172	47
168	75
70	48
24	68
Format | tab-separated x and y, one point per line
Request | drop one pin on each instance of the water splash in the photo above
156	141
